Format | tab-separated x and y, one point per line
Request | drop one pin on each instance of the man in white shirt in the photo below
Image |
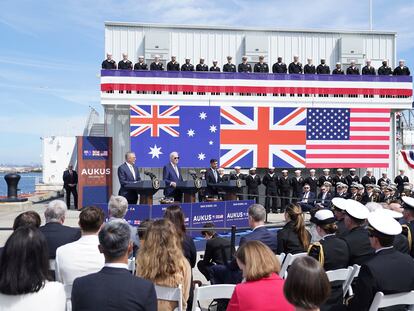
81	257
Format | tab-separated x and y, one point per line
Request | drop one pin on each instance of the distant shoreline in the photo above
20	170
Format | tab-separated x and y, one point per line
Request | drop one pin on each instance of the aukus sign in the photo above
94	169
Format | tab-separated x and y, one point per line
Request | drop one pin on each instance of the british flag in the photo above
156	119
263	137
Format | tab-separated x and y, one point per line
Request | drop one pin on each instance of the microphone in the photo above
193	174
151	175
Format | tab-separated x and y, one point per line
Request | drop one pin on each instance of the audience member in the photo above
142	230
81	257
218	250
161	261
24	274
307	286
338	207
293	237
55	232
114	287
263	288
118	207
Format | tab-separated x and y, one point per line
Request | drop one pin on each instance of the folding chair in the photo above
289	259
347	284
171	294
382	301
339	274
211	292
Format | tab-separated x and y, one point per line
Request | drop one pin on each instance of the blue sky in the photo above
50	51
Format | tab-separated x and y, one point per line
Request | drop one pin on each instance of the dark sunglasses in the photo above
176	158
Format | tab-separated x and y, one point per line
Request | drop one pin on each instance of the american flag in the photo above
347	137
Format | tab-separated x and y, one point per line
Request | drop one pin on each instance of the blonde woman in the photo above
161	261
263	288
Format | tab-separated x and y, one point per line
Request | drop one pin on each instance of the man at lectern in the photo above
128	173
171	174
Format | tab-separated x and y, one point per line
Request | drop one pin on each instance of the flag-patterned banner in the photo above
408	156
261	136
236	83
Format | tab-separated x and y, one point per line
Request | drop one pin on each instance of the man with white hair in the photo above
108	63
295	67
141	65
55	232
368	70
171	174
128	173
401	70
125	63
352	69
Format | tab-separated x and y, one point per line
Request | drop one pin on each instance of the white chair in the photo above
211	292
281	257
171	294
382	301
289	259
131	265
52	264
340	275
347	284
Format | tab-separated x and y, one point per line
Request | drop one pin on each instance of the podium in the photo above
146	189
190	188
230	188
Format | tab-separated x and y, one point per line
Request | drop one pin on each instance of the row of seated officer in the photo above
295	67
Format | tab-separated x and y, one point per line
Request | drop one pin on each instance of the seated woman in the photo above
263	288
307	285
161	261
24	274
293	238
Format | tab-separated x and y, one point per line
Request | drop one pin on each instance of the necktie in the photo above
131	168
215	175
176	170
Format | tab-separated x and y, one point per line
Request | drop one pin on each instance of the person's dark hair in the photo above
175	214
210	232
295	213
329	228
91	219
356	221
24	263
142	228
29	218
383	239
114	238
307	285
213	160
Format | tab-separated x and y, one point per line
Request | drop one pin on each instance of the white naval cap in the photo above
409	202
390	212
215	61
352	169
338	63
312	170
187	58
156	55
384	223
298	171
202	58
237	167
339	203
401	60
384	172
272	168
141	56
229	57
221	169
296	55
326	170
323	217
356	209
369	170
252	169
339	170
368	60
373	206
284	171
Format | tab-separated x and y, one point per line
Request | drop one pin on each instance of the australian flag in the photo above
192	131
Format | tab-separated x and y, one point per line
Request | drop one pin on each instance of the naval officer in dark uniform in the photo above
323	68
157	65
295	67
187	66
141	65
360	249
338	208
387	271
229	67
353	69
385	70
215	67
352	178
297	182
238	175
326	177
368	70
201	66
368	178
401	70
338	69
271	181
284	189
309	68
244	66
279	66
125	63
173	65
312	181
108	63
261	66
252	182
408	228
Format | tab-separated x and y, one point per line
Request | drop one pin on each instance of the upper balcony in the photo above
123	87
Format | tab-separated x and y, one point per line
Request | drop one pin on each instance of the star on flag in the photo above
155	152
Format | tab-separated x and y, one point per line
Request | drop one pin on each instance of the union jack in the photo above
156	120
268	136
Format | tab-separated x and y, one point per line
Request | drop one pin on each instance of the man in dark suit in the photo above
368	178
324	198
368	69
70	181
401	70
295	67
284	188
114	287
218	250
128	173
353	69
212	178
171	175
307	200
388	271
271	181
400	180
55	232
253	182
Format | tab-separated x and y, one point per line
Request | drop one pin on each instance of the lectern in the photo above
146	189
190	188
230	187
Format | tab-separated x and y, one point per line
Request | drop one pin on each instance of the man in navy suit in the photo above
114	287
171	174
212	178
307	199
128	173
324	198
